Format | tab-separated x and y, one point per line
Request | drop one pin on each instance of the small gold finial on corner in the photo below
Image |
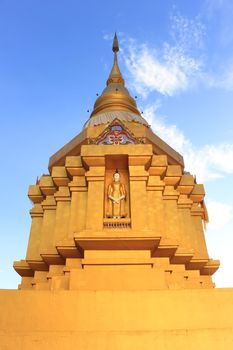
115	45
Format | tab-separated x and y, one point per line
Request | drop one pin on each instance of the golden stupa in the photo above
116	256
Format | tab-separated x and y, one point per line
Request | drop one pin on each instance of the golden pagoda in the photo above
116	256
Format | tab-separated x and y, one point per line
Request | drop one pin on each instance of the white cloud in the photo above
179	63
168	69
222	78
108	37
188	34
169	133
212	6
220	214
207	162
149	73
225	79
171	69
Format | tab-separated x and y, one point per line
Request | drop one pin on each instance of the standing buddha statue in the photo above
116	198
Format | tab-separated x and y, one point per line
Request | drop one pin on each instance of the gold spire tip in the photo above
115	45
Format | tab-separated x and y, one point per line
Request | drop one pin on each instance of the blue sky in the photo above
176	56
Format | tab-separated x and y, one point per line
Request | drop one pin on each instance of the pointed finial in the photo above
115	74
115	45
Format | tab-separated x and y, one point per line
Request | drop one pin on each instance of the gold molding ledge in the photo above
117	243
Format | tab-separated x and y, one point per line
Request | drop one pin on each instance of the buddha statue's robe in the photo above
116	200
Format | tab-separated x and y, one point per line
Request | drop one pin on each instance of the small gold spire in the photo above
115	75
115	45
115	96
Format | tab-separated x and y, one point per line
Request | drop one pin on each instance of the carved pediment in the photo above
116	134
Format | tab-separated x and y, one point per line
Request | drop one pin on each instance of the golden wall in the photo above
117	320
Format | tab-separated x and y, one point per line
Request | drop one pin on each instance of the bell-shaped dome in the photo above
115	100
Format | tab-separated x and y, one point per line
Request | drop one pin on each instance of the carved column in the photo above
184	203
138	177
47	247
155	187
170	196
78	189
33	250
62	197
95	198
197	213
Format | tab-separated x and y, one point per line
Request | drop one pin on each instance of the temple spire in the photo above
115	97
115	44
115	75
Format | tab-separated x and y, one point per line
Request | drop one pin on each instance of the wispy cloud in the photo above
219	6
208	162
187	34
180	63
213	5
225	79
168	69
167	74
220	214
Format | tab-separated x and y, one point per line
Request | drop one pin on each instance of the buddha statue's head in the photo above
116	176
